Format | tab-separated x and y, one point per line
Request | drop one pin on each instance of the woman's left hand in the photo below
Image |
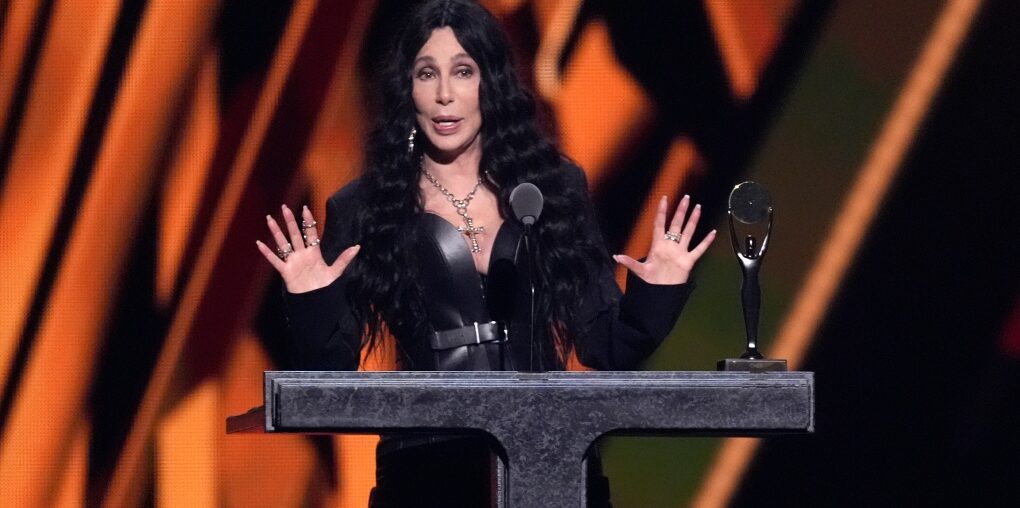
668	260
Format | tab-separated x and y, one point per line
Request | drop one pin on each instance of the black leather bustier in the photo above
470	314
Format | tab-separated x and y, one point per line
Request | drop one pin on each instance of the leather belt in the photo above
475	333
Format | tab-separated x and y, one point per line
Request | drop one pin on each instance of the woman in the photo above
424	245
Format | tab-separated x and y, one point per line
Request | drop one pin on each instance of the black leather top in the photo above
457	296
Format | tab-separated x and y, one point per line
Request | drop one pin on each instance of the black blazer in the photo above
618	330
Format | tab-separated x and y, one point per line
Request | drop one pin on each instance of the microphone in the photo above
526	201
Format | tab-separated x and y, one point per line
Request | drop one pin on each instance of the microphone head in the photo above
526	201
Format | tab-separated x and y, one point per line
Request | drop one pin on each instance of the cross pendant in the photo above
472	232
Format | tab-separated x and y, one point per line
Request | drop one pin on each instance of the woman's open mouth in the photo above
446	124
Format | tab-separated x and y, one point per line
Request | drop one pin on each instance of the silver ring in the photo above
284	253
312	243
306	225
673	237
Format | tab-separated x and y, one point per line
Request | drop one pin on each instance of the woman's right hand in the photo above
300	261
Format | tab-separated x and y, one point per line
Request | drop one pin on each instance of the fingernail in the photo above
305	208
283	207
687	196
269	217
697	206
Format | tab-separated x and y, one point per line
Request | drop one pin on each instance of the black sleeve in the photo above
618	331
624	331
324	332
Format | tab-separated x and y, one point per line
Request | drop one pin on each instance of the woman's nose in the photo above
443	93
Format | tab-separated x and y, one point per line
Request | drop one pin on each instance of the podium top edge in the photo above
552	373
555	376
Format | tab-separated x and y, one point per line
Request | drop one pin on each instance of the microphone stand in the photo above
532	344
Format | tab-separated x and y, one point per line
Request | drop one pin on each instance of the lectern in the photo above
543	422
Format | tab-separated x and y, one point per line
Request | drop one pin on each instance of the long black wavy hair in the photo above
514	149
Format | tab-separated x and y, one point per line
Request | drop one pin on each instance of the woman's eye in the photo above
465	72
425	74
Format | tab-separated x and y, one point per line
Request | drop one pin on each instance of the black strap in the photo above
475	333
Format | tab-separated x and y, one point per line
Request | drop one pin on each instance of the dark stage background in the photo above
142	143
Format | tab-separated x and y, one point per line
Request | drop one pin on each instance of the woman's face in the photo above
445	91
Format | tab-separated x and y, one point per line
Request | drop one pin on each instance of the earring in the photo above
410	140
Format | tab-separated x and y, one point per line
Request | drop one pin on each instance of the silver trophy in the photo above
750	205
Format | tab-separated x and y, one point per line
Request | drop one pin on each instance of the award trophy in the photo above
750	205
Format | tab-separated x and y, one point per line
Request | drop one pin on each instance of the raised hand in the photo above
299	260
668	260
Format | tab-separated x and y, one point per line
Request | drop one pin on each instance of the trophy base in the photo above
747	365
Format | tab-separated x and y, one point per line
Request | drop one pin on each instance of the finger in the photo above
681	212
690	227
659	224
629	262
270	256
344	260
292	228
311	232
703	246
281	241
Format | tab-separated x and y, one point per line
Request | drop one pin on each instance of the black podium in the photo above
543	423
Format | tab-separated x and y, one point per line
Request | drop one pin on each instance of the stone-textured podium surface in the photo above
543	422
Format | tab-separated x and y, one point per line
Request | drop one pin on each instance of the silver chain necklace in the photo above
461	205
